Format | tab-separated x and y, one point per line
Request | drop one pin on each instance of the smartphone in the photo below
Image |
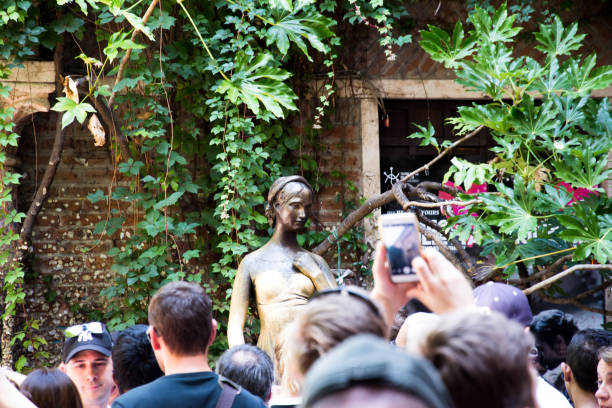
400	235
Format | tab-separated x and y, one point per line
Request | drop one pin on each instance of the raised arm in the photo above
238	306
10	397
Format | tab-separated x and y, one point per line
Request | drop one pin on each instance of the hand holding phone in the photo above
400	236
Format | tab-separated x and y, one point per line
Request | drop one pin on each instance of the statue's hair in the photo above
276	192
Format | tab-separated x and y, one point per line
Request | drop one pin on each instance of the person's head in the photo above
505	299
553	331
604	378
248	366
289	202
86	360
483	359
366	371
580	368
330	317
180	320
51	388
134	362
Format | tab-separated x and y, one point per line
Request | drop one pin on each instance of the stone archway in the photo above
30	87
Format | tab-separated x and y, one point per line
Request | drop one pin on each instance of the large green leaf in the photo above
585	77
581	168
584	228
444	48
296	26
257	83
556	40
531	121
494	28
513	210
491	116
553	80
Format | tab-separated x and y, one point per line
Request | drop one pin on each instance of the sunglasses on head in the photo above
344	291
85	330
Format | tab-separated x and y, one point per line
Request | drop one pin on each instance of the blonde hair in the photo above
328	320
605	354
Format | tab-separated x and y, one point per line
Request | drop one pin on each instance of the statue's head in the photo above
289	202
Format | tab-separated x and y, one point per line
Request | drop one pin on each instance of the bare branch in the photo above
54	160
543	273
441	155
563	274
467	259
378	201
574	302
436	237
108	117
128	53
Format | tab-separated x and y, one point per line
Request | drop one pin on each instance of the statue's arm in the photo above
316	269
238	306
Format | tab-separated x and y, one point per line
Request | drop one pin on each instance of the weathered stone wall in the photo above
67	263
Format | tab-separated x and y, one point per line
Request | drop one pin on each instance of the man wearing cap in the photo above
86	360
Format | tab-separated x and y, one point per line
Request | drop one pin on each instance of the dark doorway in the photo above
400	155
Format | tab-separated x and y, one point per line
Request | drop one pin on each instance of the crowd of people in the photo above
473	348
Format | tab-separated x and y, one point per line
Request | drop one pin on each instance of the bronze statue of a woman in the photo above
282	274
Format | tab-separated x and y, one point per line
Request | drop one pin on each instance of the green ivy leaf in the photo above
72	110
170	200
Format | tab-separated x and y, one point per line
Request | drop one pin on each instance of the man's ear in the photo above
62	367
213	332
155	340
567	372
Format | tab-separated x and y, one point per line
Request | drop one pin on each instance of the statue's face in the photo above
293	206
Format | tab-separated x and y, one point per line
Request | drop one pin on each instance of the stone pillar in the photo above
30	89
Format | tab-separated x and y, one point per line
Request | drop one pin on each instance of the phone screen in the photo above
402	243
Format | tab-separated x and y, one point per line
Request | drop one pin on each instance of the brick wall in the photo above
68	263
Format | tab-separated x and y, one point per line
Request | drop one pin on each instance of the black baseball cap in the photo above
368	359
86	336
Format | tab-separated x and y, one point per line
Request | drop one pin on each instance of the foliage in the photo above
203	125
13	272
552	140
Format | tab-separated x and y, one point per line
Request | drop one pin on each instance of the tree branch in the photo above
574	302
467	259
543	273
128	53
560	275
54	160
108	117
378	201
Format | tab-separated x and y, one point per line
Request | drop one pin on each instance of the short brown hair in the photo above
328	320
181	313
483	359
